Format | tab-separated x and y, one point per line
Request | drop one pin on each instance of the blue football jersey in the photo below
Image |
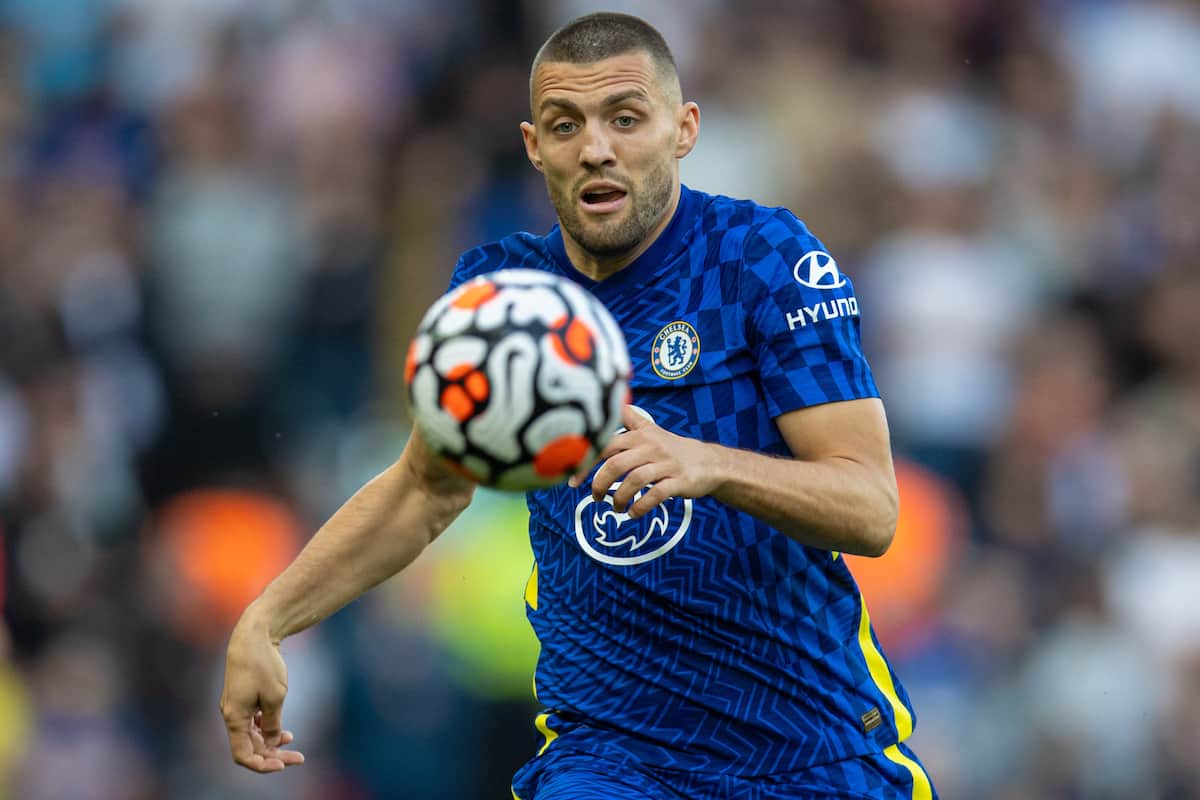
698	637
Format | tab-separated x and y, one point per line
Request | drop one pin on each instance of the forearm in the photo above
374	535
833	503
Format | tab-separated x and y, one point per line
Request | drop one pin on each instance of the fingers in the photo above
658	493
250	749
613	468
251	745
633	417
271	718
267	763
635	481
635	455
580	474
286	757
248	752
619	442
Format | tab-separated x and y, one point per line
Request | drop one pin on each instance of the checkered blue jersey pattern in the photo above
699	637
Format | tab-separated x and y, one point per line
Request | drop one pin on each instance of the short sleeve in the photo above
470	264
520	250
802	319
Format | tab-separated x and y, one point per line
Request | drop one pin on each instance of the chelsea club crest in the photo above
675	351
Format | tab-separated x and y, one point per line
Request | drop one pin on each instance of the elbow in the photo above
877	542
447	505
879	531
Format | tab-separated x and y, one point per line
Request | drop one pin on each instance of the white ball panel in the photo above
494	314
510	367
553	424
460	350
453	321
477	467
520	305
523	478
436	310
420	347
560	382
527	277
537	303
441	430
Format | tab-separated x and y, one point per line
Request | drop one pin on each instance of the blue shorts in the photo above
895	774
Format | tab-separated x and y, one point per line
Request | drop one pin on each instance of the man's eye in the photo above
564	127
626	121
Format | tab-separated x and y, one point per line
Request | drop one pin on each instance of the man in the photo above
701	635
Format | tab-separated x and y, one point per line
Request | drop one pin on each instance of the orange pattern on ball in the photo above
474	295
457	402
470	388
579	340
410	362
561	455
477	386
572	342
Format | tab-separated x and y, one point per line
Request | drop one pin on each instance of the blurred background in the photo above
220	221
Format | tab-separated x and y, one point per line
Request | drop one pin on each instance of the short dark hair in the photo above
595	37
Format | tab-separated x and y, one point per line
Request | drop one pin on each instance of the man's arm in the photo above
838	492
374	535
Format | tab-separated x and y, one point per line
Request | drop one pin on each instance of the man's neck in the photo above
598	267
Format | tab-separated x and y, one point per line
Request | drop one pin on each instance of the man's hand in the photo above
252	700
646	454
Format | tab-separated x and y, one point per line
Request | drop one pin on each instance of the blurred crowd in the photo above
220	221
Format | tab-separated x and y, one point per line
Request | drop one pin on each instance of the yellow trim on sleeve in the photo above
881	674
542	724
922	788
514	791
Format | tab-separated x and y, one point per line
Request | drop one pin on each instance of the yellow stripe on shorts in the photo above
542	724
922	788
881	674
531	588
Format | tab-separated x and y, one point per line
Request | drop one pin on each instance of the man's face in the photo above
607	138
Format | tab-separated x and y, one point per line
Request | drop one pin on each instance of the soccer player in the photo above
701	636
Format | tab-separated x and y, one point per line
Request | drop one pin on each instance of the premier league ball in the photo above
517	378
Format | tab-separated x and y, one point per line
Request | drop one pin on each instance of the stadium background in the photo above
221	219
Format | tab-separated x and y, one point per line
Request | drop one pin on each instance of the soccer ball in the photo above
517	378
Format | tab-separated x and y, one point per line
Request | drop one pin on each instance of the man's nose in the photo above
597	150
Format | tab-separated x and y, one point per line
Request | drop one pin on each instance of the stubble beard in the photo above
608	239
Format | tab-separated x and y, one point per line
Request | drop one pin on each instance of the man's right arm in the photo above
374	535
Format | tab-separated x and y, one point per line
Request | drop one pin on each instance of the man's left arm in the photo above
837	492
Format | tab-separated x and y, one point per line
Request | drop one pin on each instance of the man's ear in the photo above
689	129
529	134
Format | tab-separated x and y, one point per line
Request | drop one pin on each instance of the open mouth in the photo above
603	199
